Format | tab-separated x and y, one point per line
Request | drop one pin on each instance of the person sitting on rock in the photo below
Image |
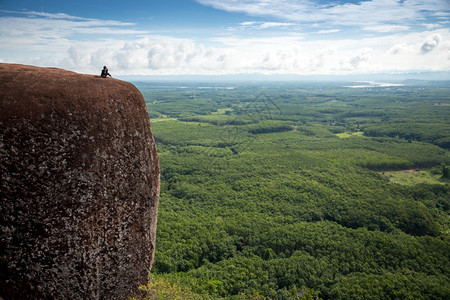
105	72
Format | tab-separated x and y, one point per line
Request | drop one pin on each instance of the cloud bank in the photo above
159	55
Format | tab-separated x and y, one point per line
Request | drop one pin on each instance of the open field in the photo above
414	176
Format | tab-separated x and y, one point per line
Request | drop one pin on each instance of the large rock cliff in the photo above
79	185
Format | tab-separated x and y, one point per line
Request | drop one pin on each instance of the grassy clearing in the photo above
413	177
153	120
221	111
349	134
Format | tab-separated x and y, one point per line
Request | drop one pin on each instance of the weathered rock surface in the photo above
79	186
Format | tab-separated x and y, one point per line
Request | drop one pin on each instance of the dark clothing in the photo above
105	73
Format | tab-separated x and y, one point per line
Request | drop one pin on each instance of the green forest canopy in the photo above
283	190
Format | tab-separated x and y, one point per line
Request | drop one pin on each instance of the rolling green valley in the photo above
301	190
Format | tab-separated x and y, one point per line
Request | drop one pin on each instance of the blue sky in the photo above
177	37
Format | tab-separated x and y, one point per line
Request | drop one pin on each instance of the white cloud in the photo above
357	59
266	25
85	45
162	55
44	28
385	28
247	24
45	38
430	44
328	31
398	49
274	24
373	12
431	26
63	16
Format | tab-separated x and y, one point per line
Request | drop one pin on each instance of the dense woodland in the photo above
298	190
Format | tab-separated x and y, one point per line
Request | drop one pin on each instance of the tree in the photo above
445	171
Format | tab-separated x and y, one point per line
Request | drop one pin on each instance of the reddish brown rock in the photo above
79	185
